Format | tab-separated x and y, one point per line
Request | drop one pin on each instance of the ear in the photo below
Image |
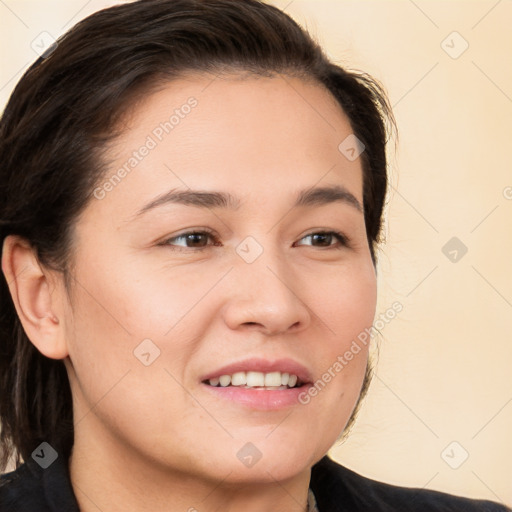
35	296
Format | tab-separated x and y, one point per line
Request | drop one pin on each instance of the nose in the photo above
265	297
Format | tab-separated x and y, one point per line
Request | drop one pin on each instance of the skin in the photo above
150	438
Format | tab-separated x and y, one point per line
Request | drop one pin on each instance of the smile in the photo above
257	380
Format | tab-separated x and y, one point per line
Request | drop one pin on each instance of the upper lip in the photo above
285	365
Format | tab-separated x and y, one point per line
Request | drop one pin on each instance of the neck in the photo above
110	476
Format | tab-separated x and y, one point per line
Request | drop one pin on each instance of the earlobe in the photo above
31	291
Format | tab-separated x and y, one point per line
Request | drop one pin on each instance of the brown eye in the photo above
191	240
326	239
323	239
196	239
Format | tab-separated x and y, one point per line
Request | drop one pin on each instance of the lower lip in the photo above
261	399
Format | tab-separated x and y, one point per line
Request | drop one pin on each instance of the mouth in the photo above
270	381
259	384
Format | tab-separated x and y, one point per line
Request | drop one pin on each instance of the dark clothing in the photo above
338	489
33	489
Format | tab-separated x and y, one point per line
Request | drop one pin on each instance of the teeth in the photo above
225	380
271	380
238	379
255	379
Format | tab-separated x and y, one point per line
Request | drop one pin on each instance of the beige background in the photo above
444	365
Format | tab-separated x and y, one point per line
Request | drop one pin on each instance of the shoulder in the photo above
31	488
338	488
21	490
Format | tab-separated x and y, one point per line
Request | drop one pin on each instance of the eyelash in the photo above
342	239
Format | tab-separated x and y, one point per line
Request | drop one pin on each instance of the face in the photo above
248	270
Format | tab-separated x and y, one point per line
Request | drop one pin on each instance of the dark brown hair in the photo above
65	109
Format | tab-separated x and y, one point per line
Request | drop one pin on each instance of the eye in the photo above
198	239
326	239
191	240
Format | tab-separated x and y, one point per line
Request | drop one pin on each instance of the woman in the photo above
191	199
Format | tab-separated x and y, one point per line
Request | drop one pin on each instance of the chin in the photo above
279	460
265	472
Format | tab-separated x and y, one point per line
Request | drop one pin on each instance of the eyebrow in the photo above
325	195
309	197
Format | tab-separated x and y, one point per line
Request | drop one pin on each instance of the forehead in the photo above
253	135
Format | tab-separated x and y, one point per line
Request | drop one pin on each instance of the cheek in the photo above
123	304
344	303
122	312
